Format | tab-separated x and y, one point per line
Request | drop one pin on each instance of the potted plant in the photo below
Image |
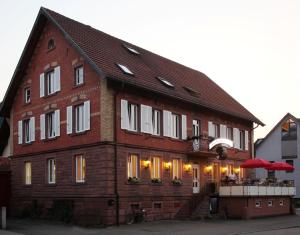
156	181
134	180
176	181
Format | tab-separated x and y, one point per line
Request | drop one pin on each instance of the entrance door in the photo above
196	178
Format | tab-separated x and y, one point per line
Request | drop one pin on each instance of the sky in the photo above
250	48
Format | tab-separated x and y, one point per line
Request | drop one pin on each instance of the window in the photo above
130	49
51	171
155	168
192	91
258	204
156	121
79	118
270	203
229	133
28	173
79	75
175	127
80	169
165	82
133	166
176	169
50	88
50	117
51	44
215	130
133	117
289	130
196	128
242	140
291	162
26	125
125	69
27	94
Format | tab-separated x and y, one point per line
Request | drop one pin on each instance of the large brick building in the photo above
106	125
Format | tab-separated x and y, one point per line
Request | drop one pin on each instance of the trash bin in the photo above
214	204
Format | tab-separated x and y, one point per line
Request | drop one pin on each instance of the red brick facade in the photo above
96	200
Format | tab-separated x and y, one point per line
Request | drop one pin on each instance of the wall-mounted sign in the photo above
221	141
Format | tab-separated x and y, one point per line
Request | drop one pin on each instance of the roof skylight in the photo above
125	69
192	91
165	82
130	49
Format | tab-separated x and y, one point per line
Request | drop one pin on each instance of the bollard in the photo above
3	215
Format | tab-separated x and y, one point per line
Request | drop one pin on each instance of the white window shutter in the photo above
57	122
223	131
42	126
32	128
57	78
69	120
183	127
236	138
167	121
20	132
146	119
246	140
124	115
87	115
42	85
210	129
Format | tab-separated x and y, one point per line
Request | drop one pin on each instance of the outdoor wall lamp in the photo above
167	165
208	168
237	170
146	164
187	167
224	169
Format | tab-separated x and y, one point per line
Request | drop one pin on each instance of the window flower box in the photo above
156	181
177	181
134	180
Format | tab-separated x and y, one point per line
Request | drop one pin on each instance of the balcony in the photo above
199	147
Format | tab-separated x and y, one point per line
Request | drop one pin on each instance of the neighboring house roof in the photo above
286	117
103	52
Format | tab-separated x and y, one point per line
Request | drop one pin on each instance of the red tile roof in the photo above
104	51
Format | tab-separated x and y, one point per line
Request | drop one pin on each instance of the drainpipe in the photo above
252	140
116	160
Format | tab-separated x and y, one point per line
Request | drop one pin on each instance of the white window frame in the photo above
156	122
133	117
26	131
270	203
196	127
51	171
28	173
27	95
156	168
79	118
229	133
175	127
242	139
50	82
79	75
133	165
50	130
80	178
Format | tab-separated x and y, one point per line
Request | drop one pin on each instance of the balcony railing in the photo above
199	143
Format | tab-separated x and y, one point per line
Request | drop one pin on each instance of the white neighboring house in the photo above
281	144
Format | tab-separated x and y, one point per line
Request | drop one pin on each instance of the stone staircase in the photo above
202	210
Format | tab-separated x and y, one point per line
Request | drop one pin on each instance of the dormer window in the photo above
51	44
131	50
125	69
165	82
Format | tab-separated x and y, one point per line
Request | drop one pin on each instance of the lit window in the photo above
27	173
196	128
79	118
79	75
27	94
133	166
156	119
130	49
125	69
50	117
165	82
176	169
50	87
175	126
51	171
133	117
80	169
26	131
155	168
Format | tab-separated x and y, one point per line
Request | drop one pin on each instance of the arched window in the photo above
51	44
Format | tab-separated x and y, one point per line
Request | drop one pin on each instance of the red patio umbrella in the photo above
280	166
256	163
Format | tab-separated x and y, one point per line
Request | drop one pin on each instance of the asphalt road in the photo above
274	226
